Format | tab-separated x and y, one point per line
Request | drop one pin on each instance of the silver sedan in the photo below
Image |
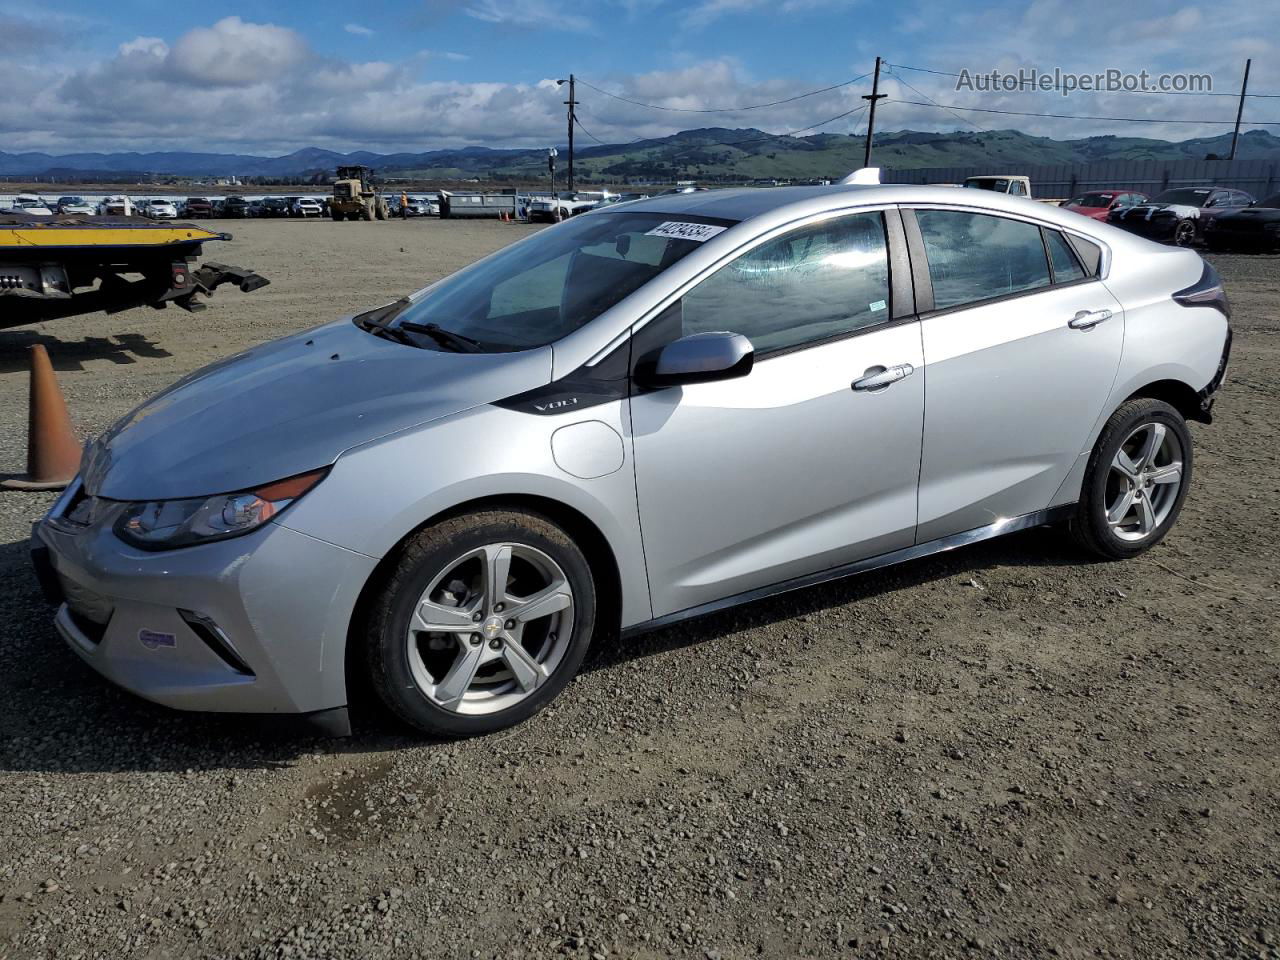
646	413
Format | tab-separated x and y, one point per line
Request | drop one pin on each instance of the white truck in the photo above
1012	184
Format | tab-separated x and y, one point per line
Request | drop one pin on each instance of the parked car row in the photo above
1222	218
168	208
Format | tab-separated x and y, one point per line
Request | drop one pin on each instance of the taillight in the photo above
1205	292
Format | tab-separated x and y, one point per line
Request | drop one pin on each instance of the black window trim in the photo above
924	283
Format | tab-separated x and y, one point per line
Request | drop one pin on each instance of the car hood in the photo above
291	406
1145	211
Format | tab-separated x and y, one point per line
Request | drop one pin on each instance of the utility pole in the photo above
871	114
571	103
1244	87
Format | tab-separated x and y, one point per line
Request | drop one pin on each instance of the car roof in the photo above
747	203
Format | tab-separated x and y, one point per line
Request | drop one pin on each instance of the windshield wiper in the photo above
378	320
446	338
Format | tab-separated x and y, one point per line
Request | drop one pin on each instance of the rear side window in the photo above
812	284
1063	259
975	256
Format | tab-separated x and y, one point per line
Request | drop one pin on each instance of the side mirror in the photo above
697	358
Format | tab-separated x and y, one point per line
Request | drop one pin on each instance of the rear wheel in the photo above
1137	479
485	620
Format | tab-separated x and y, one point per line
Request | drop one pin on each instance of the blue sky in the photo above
417	74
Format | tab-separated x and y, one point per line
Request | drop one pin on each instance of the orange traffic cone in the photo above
53	455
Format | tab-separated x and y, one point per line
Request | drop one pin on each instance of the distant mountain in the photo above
713	153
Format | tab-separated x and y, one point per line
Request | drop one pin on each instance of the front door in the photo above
789	470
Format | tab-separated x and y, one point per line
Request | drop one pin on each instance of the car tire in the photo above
1184	234
505	669
1136	481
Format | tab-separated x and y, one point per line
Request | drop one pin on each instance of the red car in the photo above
1096	204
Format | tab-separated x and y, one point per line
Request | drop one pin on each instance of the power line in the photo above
921	93
1075	116
1036	88
588	132
754	106
772	136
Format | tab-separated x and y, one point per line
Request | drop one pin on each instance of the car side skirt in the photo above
1038	519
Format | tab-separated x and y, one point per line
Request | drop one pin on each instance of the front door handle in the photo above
1088	319
877	378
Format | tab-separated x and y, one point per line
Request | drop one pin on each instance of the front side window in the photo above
536	292
815	283
975	256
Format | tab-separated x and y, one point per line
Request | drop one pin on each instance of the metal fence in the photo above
1064	180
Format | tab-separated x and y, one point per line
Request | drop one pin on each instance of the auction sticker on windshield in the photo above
679	230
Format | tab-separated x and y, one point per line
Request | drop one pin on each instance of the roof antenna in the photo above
863	176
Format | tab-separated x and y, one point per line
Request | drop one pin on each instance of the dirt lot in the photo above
1007	751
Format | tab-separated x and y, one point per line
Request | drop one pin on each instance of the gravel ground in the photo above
1007	751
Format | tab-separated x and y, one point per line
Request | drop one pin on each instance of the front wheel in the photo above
484	621
1184	234
1137	479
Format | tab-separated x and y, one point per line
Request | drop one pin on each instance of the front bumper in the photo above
254	624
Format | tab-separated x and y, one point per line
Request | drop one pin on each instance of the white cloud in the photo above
235	53
357	30
705	11
528	13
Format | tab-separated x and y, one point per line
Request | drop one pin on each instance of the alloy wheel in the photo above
1143	481
490	628
1184	234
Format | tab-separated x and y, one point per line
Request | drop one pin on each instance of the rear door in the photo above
1021	348
790	470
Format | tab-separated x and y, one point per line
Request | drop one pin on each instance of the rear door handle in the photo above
1088	319
877	378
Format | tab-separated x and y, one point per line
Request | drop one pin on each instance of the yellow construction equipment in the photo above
357	196
62	266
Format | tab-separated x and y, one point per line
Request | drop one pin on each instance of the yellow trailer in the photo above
62	266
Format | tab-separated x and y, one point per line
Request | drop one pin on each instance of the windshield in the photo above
1186	196
1000	186
536	292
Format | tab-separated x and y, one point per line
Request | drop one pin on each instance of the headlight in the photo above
166	524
